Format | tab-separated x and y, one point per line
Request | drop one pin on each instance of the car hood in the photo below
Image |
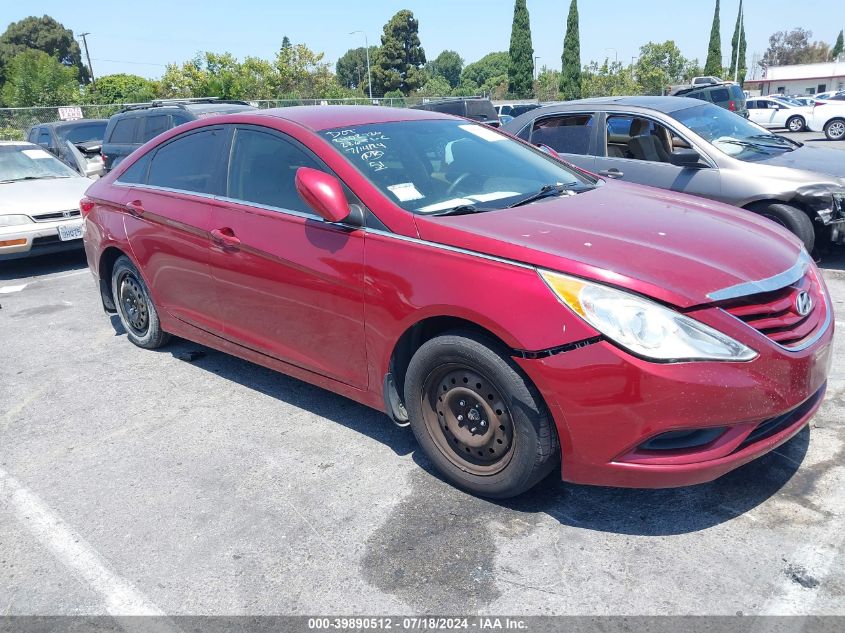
816	159
32	197
673	247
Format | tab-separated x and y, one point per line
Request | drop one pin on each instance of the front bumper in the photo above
40	238
606	404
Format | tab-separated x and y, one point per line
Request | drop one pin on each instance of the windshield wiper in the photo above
31	178
758	146
461	209
775	137
544	192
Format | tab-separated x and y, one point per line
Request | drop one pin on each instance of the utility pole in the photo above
367	48
88	57
536	74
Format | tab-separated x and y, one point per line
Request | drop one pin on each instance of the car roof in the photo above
18	143
661	104
332	116
70	123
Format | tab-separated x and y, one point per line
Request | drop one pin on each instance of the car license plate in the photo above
70	232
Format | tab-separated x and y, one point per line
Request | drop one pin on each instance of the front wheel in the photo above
795	124
835	130
135	307
792	219
478	417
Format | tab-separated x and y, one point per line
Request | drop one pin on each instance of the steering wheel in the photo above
458	181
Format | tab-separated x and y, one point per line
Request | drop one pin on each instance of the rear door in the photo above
619	159
168	220
570	134
122	141
289	284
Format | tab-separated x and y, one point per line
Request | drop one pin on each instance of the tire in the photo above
478	418
834	129
792	219
135	307
796	124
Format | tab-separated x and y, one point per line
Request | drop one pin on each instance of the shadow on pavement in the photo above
43	265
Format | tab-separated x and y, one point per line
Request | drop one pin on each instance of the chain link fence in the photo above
14	122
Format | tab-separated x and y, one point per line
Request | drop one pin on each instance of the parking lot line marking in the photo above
120	597
20	406
5	290
62	275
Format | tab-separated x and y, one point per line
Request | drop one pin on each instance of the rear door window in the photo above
44	137
154	125
123	131
564	133
189	163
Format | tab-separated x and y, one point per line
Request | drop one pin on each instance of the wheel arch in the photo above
105	267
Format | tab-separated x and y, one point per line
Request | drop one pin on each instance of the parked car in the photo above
778	113
515	109
685	145
60	137
822	96
829	117
805	101
470	108
725	94
39	202
520	314
138	123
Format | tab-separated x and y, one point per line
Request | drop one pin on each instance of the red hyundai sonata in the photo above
519	314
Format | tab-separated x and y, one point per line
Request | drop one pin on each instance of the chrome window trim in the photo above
775	282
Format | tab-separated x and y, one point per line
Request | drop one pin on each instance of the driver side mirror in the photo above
685	158
323	193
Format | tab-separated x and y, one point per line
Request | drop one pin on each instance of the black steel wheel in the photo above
478	417
135	306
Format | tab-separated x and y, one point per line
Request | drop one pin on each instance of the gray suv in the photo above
692	147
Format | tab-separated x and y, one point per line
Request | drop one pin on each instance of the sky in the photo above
141	37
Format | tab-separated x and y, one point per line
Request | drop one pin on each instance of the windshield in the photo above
731	133
24	162
436	165
83	133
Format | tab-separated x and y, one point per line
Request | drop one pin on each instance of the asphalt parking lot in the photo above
185	481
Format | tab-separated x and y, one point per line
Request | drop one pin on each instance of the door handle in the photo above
225	237
611	173
135	208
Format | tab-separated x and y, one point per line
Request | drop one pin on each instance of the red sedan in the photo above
521	315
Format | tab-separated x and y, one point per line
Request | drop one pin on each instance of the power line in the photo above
123	61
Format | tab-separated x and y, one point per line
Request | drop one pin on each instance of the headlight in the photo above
643	327
14	220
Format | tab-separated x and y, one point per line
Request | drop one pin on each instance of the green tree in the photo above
487	75
123	88
521	53
351	68
713	65
838	47
547	86
447	65
608	79
738	60
570	76
303	73
659	66
794	47
286	42
436	86
34	78
42	34
400	57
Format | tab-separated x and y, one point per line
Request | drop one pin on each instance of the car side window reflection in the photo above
262	170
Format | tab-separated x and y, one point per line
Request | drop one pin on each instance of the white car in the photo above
827	95
39	202
829	117
773	113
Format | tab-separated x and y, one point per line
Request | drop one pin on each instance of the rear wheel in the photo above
835	130
135	307
477	417
792	219
795	124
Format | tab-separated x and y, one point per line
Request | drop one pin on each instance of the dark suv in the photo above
726	94
481	110
138	123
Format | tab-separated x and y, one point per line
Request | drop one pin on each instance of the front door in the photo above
637	149
289	285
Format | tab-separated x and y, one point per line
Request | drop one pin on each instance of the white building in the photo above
800	79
